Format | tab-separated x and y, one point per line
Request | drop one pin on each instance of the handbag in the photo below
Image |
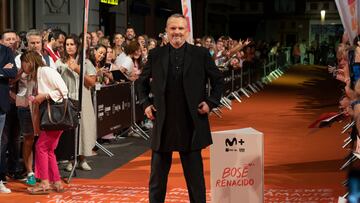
58	115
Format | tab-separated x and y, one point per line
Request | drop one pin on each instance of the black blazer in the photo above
6	56
198	68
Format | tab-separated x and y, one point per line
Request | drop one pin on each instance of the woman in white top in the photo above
50	86
132	63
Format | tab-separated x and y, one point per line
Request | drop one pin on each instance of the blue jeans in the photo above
2	123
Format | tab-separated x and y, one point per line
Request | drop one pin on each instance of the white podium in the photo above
237	166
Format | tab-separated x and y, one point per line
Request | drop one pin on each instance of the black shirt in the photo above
178	125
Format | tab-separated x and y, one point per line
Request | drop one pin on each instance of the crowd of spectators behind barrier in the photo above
61	51
346	68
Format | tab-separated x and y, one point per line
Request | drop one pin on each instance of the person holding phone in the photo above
69	68
98	57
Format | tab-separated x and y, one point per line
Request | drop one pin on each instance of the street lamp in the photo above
322	19
322	14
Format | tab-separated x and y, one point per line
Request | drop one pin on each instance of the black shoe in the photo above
17	176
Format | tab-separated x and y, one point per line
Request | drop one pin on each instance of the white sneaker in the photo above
133	134
4	189
148	124
85	166
69	167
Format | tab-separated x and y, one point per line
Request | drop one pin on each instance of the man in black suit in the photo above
180	108
7	70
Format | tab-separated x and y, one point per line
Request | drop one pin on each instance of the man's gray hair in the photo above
176	15
32	32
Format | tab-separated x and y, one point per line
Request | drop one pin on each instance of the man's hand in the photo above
203	108
9	66
149	112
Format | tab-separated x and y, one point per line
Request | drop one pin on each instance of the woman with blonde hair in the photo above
49	86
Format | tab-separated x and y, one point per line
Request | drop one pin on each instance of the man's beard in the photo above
130	37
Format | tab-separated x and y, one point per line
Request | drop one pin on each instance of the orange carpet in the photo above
301	165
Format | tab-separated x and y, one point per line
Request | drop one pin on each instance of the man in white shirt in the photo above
55	45
34	41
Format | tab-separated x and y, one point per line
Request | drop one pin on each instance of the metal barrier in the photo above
116	109
113	103
251	78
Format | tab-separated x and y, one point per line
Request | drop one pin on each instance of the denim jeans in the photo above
2	123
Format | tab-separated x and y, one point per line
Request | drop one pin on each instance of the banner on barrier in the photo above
113	110
236	165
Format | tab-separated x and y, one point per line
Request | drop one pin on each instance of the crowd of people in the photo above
347	70
40	65
313	53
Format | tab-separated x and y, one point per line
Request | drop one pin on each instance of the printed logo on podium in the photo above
234	145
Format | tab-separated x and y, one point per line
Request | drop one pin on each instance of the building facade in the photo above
22	15
286	21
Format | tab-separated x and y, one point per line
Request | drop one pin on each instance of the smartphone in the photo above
107	66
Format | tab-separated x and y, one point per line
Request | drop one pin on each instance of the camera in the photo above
162	35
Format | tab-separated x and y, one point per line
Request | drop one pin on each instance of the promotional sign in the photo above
237	166
348	11
113	108
186	9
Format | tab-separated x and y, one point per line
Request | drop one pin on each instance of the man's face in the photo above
59	43
34	43
130	34
100	33
176	29
94	39
9	40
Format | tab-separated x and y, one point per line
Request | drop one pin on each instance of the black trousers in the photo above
193	170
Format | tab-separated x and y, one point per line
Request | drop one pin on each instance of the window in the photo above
325	6
313	6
